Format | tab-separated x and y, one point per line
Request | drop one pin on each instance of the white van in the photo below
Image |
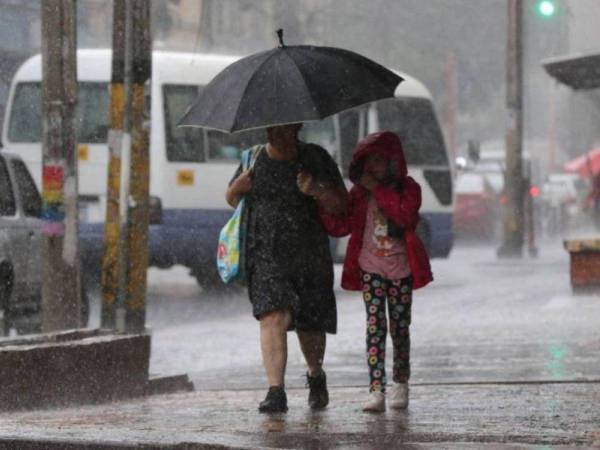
191	167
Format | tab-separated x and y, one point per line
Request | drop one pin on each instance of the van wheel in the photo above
209	280
6	285
424	233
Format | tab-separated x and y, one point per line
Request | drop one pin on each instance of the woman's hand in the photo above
368	181
307	184
242	184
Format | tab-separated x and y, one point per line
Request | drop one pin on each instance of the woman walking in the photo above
289	266
385	258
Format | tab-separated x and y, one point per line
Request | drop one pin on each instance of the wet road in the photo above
482	320
504	357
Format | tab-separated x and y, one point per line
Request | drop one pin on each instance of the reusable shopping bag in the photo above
232	238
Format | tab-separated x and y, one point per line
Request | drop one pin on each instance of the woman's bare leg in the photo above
273	344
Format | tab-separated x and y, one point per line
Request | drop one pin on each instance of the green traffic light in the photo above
546	8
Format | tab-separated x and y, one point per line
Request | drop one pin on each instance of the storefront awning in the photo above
577	72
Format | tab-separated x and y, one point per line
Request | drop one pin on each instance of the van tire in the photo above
424	233
6	286
209	280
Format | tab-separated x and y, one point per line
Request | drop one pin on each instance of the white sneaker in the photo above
375	402
398	395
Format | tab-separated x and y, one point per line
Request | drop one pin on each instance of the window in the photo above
26	114
7	199
183	144
320	132
229	147
92	113
28	193
190	144
349	135
413	119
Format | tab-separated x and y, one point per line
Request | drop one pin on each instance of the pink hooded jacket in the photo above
400	207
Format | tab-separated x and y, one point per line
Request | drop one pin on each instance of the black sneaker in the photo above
318	398
275	401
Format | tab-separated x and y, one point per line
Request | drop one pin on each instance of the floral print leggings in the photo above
398	293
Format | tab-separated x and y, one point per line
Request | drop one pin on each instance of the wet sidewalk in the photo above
453	416
504	356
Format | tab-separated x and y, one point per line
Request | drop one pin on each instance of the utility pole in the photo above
110	262
139	198
514	188
137	195
61	302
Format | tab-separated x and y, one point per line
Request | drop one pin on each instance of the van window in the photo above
28	193
350	133
320	132
413	119
7	199
229	147
191	144
184	144
92	113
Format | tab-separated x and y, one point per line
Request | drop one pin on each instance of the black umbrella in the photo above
289	84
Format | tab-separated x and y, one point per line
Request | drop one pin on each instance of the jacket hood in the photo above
385	143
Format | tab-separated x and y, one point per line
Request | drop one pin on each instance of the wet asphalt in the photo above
503	356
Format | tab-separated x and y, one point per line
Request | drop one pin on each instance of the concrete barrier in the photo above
74	367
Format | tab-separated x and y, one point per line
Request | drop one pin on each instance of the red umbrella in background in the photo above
585	165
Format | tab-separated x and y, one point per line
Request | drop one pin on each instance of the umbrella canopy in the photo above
585	165
289	84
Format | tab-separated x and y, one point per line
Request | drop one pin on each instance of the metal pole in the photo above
513	177
61	302
451	100
138	201
110	262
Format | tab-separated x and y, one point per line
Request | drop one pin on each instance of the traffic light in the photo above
546	8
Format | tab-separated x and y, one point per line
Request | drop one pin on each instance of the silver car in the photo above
20	246
21	250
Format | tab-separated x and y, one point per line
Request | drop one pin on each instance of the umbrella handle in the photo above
280	36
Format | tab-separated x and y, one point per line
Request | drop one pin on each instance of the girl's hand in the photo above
368	181
243	183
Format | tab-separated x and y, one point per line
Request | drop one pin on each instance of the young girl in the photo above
385	257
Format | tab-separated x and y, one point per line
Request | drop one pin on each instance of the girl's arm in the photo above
401	207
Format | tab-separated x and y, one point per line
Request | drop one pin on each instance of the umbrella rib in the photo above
305	85
248	84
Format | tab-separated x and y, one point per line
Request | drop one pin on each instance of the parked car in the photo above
563	198
21	249
477	207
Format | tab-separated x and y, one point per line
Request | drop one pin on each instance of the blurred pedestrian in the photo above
385	258
288	260
593	200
